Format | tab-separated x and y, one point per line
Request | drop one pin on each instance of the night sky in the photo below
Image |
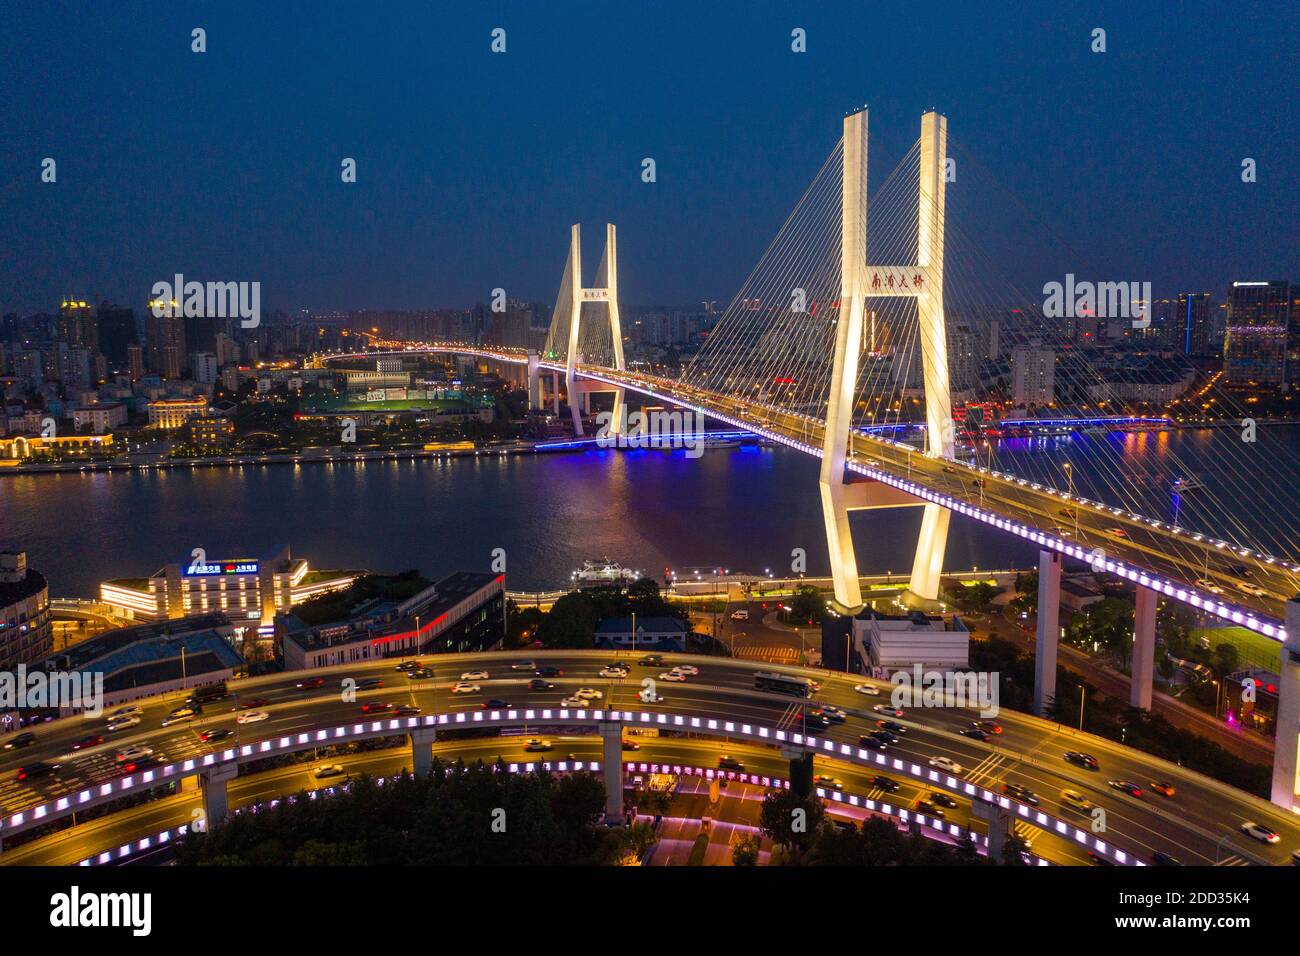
225	165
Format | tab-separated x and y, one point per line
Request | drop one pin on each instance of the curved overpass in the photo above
1198	825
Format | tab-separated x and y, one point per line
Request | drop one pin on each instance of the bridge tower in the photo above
922	280
566	322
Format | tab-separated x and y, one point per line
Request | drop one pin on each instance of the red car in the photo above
258	702
90	741
376	708
310	682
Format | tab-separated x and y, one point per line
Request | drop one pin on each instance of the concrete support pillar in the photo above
586	403
1288	712
534	382
213	781
555	393
422	739
1049	624
1144	648
999	821
611	732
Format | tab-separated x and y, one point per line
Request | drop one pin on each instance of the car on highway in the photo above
465	687
369	683
133	753
549	672
884	735
495	703
1132	789
1253	590
946	764
648	695
253	703
1060	532
406	710
307	683
651	660
588	693
1117	532
377	707
975	733
1257	831
614	671
420	673
728	762
524	666
35	771
574	701
215	734
887	784
1087	761
92	741
893	726
180	714
889	709
130	710
816	718
1023	794
989	726
537	745
930	807
1075	800
672	676
25	739
828	783
690	670
1206	584
327	770
630	745
834	713
867	689
872	743
741	615
122	723
942	800
538	684
474	675
254	716
1162	788
1161	858
407	666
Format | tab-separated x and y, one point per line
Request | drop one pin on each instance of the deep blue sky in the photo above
225	165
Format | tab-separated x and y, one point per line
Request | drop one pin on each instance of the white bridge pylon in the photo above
922	280
572	289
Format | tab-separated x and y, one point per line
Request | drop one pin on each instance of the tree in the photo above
744	852
1027	590
1226	659
977	596
791	820
807	606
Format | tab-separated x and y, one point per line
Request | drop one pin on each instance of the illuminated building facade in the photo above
242	588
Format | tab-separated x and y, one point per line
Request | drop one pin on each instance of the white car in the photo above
588	693
121	723
741	615
134	753
647	696
130	710
690	670
619	672
672	676
943	763
574	702
252	717
328	770
1259	832
888	709
465	687
866	689
474	675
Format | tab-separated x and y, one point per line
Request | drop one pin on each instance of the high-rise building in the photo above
1192	328
26	629
135	362
116	334
1033	375
1254	350
78	324
164	332
205	368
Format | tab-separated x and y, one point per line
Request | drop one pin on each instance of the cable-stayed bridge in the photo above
850	323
